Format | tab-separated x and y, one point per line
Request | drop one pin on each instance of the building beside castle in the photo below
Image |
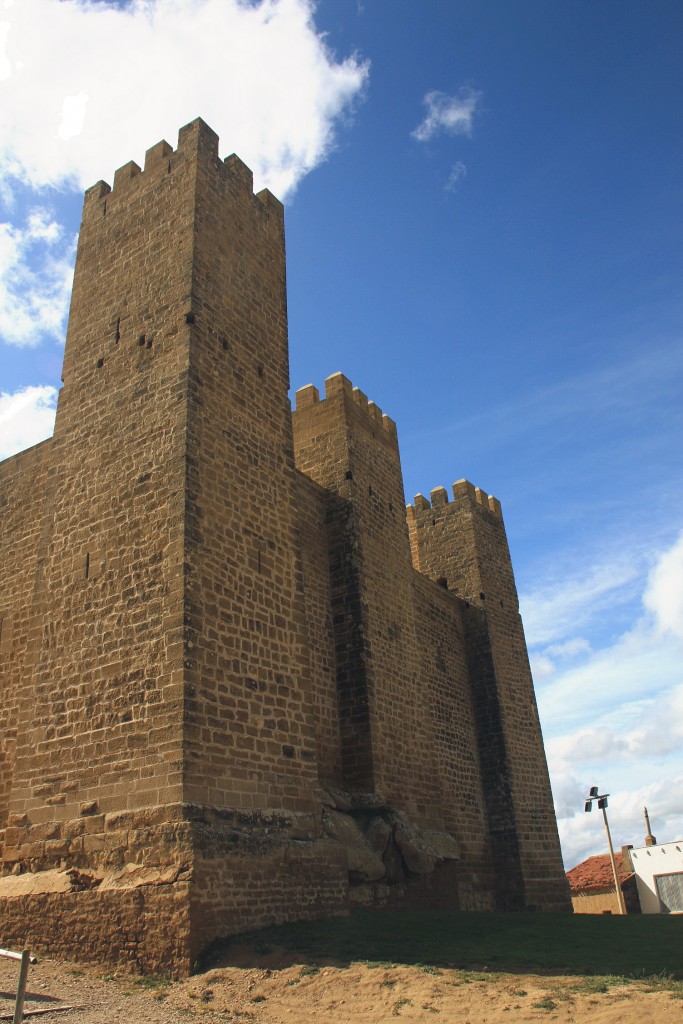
238	685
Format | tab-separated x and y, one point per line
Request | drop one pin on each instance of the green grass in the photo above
638	946
545	1004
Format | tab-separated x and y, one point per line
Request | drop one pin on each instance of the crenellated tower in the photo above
346	444
462	544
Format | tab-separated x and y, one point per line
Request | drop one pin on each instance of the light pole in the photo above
602	804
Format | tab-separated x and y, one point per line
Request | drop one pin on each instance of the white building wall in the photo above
651	862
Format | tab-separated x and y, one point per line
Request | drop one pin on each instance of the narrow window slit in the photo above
87	565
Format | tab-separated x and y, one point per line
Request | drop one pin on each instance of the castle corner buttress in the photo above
239	684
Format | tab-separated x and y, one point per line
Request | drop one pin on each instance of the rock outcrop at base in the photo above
383	847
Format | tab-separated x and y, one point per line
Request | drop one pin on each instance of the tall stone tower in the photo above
227	696
163	673
462	543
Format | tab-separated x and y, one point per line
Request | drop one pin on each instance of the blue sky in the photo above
484	233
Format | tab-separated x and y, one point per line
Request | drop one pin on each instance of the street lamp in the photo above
602	804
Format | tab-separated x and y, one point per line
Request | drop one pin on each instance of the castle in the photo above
238	684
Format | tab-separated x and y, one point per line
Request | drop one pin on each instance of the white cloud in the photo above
543	664
664	594
570	648
88	86
542	667
450	114
613	716
557	607
458	172
73	115
35	279
26	417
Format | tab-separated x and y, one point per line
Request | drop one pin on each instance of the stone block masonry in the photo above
237	685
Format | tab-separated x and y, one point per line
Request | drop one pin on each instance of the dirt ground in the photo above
279	992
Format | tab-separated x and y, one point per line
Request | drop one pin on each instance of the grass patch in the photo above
308	970
634	946
545	1004
666	982
376	964
151	982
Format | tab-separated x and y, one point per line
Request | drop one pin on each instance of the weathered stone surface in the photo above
377	834
442	845
343	828
417	857
365	865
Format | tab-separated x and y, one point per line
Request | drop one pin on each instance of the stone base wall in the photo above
245	891
145	930
98	843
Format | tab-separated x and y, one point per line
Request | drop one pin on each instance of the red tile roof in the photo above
596	873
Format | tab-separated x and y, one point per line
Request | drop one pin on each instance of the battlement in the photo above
462	490
339	388
196	141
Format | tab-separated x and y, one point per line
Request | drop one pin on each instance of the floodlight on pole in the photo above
602	804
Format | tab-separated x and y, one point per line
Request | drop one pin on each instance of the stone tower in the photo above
228	697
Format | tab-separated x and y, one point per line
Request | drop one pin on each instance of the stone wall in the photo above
144	930
25	498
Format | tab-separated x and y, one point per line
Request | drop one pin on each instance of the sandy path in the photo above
358	994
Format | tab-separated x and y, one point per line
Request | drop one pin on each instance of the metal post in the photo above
620	895
21	988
